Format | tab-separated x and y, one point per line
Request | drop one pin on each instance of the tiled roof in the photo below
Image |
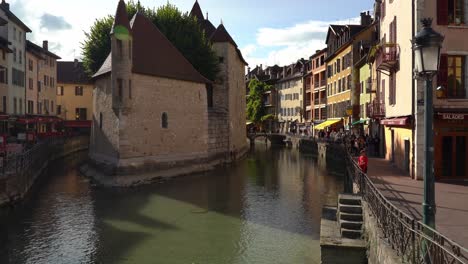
154	54
221	35
71	72
208	27
38	50
106	67
6	8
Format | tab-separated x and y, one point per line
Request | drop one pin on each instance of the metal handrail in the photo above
413	241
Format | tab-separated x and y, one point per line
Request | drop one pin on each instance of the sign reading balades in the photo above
453	116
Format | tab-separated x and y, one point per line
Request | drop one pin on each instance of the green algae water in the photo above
265	208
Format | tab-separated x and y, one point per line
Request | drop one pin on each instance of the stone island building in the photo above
153	112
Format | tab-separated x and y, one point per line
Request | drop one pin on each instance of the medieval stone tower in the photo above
227	133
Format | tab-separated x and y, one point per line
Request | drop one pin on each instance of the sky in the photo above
267	32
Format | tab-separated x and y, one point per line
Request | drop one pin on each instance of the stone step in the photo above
352	209
351	225
350	217
353	234
349	199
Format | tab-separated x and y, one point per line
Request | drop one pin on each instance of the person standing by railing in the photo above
363	160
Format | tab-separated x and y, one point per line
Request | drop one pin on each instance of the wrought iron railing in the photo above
34	158
413	241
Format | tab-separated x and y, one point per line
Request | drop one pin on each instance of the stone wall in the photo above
142	136
19	174
104	145
379	251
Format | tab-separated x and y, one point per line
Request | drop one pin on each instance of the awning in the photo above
327	123
362	121
402	121
77	123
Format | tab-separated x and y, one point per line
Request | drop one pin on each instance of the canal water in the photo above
263	209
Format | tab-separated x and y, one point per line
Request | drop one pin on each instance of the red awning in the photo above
402	121
26	120
77	123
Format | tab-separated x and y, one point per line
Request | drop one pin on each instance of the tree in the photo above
256	111
180	28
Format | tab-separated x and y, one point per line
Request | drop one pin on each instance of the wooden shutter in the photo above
442	77
442	12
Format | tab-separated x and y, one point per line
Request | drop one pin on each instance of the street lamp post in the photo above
426	47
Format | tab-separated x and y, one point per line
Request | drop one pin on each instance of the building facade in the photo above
74	91
14	32
339	78
41	75
451	109
319	86
139	123
290	95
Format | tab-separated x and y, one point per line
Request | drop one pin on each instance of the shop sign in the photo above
453	116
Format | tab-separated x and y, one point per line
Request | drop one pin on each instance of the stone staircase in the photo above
350	216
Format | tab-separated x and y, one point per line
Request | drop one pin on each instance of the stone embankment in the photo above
19	172
335	247
109	176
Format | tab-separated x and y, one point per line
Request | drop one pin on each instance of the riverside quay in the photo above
134	131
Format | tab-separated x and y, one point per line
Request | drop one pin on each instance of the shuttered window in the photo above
453	12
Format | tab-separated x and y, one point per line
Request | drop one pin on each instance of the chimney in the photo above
75	63
366	19
5	4
261	67
45	45
248	70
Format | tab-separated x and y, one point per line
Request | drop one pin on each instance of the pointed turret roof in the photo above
121	17
196	11
221	35
209	28
153	54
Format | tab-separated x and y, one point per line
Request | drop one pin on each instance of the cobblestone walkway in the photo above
451	198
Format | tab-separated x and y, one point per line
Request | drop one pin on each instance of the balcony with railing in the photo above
376	109
320	84
387	57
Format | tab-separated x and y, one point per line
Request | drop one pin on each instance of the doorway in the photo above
392	133
407	155
453	158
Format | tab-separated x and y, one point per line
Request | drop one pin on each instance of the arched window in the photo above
164	122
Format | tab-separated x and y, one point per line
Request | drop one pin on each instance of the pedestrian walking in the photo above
363	160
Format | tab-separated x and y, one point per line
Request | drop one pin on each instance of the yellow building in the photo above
343	51
74	91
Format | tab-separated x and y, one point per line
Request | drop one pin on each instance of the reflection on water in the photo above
263	209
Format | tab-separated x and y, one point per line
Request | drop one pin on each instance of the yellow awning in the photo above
327	123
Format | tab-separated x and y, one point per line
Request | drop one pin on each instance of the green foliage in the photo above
181	29
256	112
267	117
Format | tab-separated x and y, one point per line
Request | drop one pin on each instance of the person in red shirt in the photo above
362	161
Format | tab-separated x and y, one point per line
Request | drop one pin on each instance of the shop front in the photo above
450	145
398	142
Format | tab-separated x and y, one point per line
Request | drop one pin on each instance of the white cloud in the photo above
287	45
62	24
